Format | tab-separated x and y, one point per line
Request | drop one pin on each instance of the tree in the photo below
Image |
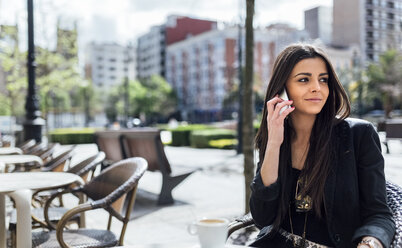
248	132
12	62
152	98
385	79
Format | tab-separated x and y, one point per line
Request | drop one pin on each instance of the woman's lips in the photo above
314	99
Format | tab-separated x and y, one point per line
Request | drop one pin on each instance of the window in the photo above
390	16
390	5
112	69
369	12
390	26
369	34
369	23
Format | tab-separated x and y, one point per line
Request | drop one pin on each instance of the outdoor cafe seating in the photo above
84	169
108	191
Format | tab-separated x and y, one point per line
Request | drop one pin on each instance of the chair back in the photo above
109	143
58	163
113	184
47	153
36	148
87	166
27	144
394	200
146	143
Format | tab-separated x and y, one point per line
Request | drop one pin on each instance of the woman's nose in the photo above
315	85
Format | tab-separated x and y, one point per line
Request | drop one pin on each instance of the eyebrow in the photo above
309	74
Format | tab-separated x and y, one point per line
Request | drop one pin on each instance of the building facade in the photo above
318	23
151	47
203	69
374	25
109	64
151	53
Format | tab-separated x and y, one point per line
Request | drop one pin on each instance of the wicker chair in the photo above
25	146
59	163
108	191
394	200
84	169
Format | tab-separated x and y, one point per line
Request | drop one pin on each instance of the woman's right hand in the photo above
275	119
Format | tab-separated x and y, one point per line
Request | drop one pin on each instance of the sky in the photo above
122	21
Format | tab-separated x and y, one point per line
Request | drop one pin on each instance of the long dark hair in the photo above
321	148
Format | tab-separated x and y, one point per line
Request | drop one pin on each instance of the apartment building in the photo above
318	23
374	25
107	64
151	47
203	69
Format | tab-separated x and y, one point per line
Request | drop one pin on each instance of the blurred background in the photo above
137	63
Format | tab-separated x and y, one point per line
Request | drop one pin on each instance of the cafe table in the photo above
10	150
20	160
19	186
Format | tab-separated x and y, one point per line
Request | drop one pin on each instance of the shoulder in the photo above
356	125
352	130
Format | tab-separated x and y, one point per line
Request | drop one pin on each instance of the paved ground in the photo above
216	190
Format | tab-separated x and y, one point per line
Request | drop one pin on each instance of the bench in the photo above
146	143
393	131
109	142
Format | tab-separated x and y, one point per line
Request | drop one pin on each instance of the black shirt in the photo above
316	228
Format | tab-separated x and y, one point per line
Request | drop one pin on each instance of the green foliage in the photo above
223	143
66	136
58	81
202	138
181	134
384	80
13	64
152	98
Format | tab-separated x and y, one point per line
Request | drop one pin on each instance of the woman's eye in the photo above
324	80
303	80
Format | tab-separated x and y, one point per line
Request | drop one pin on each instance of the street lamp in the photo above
33	122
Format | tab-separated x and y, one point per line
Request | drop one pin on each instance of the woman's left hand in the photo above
369	242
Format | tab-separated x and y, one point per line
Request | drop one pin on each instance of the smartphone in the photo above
285	97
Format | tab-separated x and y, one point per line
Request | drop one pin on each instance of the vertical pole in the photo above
126	91
239	111
33	122
239	149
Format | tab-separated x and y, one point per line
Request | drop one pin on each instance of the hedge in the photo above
202	138
223	143
66	136
181	134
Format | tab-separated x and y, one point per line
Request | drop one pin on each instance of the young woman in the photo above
320	177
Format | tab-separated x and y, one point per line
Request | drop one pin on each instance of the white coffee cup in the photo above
212	232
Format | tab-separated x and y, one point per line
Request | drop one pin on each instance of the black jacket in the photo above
355	196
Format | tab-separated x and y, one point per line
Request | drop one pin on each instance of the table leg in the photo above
22	200
3	228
